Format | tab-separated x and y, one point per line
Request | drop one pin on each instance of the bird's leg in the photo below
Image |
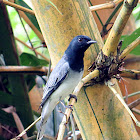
123	103
62	103
65	116
69	106
41	137
61	110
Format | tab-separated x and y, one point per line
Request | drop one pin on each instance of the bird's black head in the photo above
76	49
80	44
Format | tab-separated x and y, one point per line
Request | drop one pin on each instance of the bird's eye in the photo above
80	39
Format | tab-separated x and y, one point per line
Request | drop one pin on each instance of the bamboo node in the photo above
108	66
113	4
127	5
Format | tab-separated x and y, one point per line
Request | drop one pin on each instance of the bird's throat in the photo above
76	62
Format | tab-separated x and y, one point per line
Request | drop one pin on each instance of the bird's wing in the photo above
57	76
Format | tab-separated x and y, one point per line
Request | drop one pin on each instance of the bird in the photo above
64	78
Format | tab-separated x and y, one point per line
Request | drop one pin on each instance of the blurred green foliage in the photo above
31	60
128	39
136	14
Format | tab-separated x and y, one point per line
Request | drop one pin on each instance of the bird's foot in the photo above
70	107
73	96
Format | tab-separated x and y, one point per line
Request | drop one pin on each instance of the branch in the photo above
136	110
129	48
24	132
134	104
68	111
113	39
24	69
133	74
130	71
28	21
130	75
18	122
123	103
109	5
17	6
47	59
132	94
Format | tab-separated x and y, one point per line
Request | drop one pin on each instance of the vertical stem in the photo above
116	31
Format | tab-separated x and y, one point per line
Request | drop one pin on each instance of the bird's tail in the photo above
46	111
41	130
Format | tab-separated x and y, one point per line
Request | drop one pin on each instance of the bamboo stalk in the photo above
85	79
47	59
18	7
116	31
24	69
77	89
109	5
129	48
99	96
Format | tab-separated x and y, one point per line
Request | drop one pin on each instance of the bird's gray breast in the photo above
67	86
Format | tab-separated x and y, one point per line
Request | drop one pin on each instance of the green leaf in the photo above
54	6
5	98
128	39
7	118
30	80
136	12
31	17
31	60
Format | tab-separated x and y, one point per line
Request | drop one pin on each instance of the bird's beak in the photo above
91	42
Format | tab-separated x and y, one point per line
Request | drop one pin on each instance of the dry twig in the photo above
24	69
123	103
18	7
134	104
109	5
18	122
32	49
24	132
